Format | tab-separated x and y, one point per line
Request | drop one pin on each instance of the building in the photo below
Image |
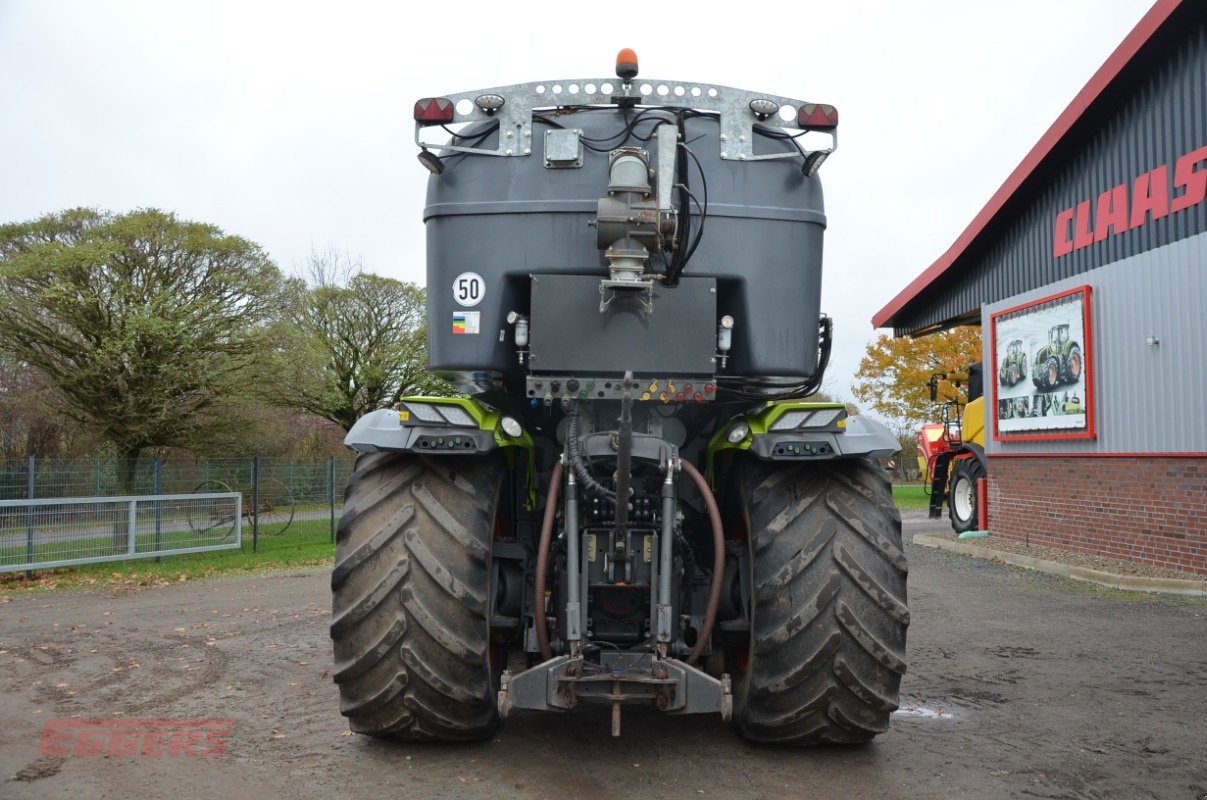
1091	261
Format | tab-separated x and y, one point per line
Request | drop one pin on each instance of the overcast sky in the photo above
290	123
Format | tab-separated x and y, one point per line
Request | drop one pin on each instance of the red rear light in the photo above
434	110
817	117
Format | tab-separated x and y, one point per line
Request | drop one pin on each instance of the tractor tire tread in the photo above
409	597
830	613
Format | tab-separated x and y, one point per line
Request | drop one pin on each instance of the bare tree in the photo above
331	266
361	341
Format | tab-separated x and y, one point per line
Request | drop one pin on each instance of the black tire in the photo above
410	610
1074	365
828	604
963	504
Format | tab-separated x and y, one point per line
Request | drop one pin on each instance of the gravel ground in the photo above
1020	685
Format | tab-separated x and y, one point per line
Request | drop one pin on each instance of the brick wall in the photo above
1144	510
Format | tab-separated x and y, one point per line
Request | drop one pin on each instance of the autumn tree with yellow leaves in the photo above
893	373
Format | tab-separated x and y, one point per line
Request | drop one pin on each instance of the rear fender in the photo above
796	431
442	426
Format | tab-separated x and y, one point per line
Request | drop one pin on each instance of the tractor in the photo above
1014	364
1058	362
632	502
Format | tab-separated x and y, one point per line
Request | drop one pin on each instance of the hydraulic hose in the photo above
591	486
542	562
718	560
624	457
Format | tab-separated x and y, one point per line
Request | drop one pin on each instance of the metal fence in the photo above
284	503
40	534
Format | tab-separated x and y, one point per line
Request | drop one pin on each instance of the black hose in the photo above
590	485
624	458
803	389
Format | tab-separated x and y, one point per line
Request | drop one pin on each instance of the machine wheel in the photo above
962	502
1074	363
827	603
1053	369
410	608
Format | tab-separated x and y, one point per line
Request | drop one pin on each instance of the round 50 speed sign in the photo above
468	289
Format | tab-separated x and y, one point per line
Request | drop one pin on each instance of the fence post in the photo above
331	492
29	518
158	509
132	527
255	504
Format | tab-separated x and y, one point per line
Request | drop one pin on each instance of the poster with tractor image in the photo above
1041	372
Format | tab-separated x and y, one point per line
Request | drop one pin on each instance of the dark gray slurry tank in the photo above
493	222
635	501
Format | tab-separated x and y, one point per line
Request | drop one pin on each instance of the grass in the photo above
306	543
911	495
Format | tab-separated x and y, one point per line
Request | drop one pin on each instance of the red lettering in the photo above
152	743
184	743
1193	181
125	742
58	737
1112	212
1150	194
1082	235
1150	200
131	737
91	741
1062	244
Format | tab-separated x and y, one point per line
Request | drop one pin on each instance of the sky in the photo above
290	123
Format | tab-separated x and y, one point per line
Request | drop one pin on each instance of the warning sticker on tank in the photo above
466	321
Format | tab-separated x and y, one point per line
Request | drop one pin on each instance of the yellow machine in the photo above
951	453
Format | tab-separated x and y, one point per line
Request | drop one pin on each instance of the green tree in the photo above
893	373
361	341
148	328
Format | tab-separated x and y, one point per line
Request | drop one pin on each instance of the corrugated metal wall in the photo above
1148	399
1160	116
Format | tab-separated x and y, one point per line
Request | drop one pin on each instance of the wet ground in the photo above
1019	685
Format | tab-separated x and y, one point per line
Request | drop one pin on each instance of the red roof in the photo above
1124	53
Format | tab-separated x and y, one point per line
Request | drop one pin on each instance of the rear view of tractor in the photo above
632	503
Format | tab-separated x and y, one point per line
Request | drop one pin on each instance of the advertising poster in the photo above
1042	369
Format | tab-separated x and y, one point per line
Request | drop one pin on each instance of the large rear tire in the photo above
963	502
828	606
1074	364
410	606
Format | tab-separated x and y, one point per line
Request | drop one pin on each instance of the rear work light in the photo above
817	117
434	110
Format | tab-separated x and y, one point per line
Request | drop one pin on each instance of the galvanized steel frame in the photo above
515	116
132	502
